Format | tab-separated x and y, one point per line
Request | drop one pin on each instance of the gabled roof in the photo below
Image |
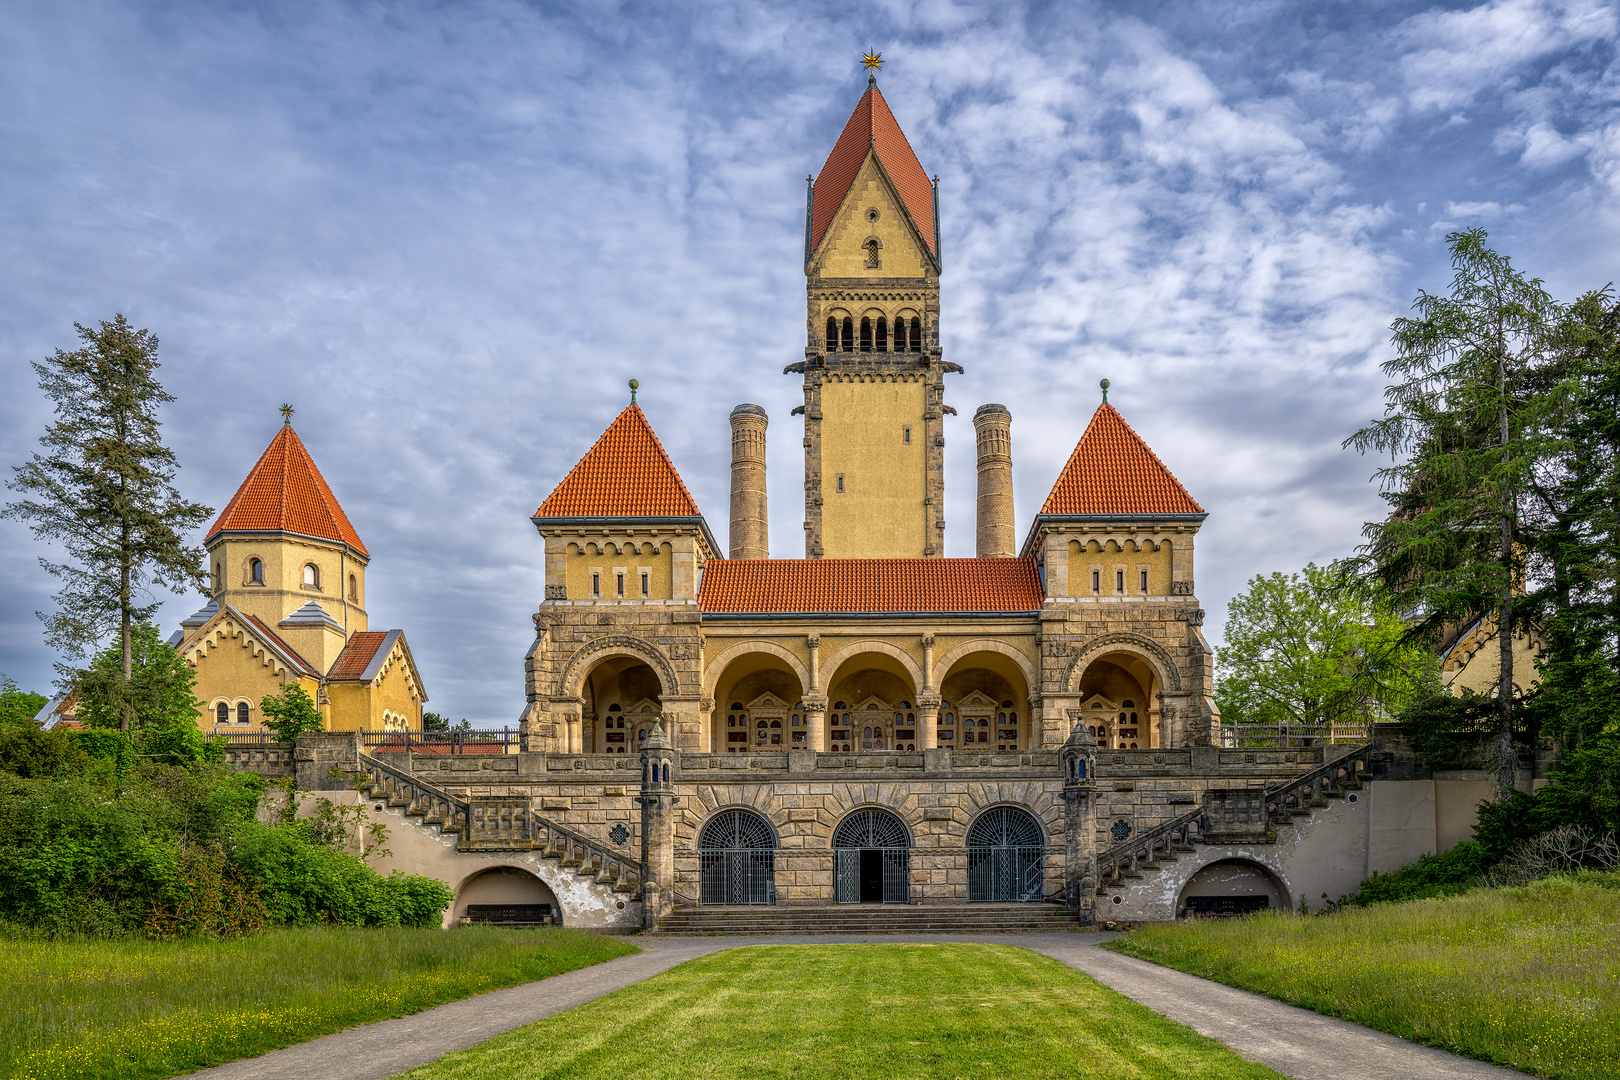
273	641
1112	472
626	474
873	127
855	586
285	492
362	655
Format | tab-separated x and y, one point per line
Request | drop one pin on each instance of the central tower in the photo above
874	380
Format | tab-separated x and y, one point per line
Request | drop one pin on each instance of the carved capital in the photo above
1195	617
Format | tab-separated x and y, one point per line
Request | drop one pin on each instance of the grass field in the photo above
855	1011
155	1009
1526	977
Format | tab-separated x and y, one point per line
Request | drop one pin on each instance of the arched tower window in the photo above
312	576
873	259
916	334
354	589
222	713
241	712
849	334
832	334
866	334
256	572
882	334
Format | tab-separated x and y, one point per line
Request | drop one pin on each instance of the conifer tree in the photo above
1466	430
103	488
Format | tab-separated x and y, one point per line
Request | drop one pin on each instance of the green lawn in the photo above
155	1009
1526	977
856	1011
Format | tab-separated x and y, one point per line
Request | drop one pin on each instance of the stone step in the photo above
869	919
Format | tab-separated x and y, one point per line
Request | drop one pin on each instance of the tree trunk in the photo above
125	720
1506	768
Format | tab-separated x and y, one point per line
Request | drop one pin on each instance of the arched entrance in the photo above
871	859
984	700
1119	694
621	700
1004	856
737	860
759	703
506	894
1230	887
871	703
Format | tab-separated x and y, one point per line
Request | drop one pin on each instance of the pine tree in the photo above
104	490
1467	433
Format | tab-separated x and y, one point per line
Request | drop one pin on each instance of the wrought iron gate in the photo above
872	837
737	860
1004	856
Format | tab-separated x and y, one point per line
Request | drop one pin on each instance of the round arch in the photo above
947	660
1004	850
829	667
737	857
716	667
1148	651
872	857
504	893
588	656
1231	886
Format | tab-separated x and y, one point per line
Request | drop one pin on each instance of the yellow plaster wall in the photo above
1131	554
231	670
1475	664
842	253
607	554
360	706
880	512
283	591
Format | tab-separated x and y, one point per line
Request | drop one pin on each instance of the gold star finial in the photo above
286	415
872	61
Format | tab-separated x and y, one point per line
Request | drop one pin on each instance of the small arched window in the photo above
832	335
849	334
222	713
256	572
312	576
873	259
354	589
916	334
882	334
241	712
866	334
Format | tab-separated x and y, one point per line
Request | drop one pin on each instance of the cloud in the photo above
449	235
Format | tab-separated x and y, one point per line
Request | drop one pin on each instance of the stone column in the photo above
659	761
997	537
815	718
568	725
928	721
1079	823
750	538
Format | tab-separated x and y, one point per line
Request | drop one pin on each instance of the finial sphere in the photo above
634	385
1103	384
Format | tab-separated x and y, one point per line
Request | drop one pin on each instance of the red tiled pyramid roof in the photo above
858	585
285	492
1112	471
626	474
872	126
357	655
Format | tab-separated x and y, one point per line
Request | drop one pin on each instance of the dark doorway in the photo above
871	876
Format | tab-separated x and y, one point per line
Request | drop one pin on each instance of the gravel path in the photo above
1295	1042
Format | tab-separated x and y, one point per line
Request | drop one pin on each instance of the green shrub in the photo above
304	884
28	751
1446	874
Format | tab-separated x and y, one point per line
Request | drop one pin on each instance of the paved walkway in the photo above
1295	1042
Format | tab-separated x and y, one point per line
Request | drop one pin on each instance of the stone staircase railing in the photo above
501	823
1277	805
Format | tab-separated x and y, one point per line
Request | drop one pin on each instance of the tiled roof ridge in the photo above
1114	471
285	492
744	586
275	640
595	486
872	126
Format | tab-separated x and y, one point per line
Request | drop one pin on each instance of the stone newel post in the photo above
657	801
1079	822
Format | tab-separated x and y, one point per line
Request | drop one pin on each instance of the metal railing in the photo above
1264	736
495	741
249	738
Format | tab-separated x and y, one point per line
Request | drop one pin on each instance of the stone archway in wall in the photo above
871	699
758	689
1231	887
621	699
504	894
1119	684
984	700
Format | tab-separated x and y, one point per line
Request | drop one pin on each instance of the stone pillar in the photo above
750	536
928	721
568	740
815	718
657	799
997	537
1079	823
317	753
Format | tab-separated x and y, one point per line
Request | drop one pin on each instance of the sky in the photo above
448	233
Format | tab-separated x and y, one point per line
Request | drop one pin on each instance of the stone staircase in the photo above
765	920
1247	816
500	824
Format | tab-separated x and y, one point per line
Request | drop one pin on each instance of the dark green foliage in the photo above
99	838
1446	730
1451	872
290	713
18	707
158	691
432	721
104	491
